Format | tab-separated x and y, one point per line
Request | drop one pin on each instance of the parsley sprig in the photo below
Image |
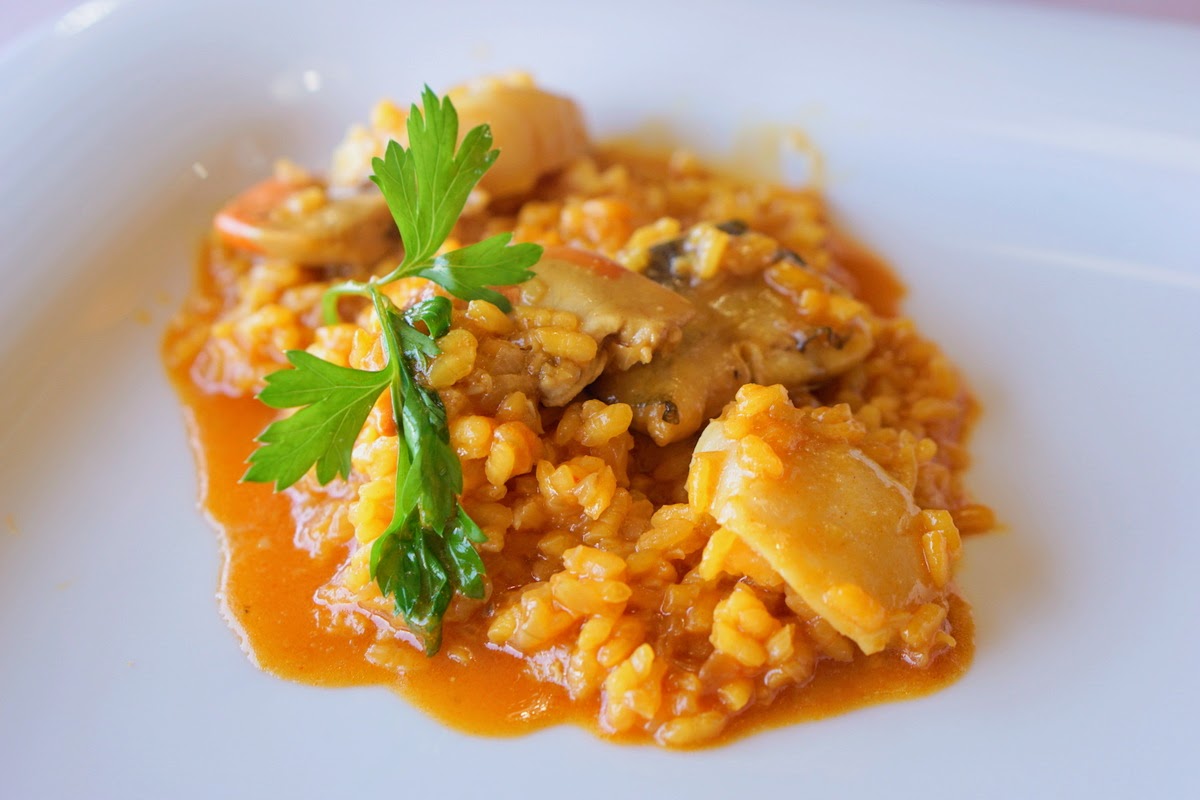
427	553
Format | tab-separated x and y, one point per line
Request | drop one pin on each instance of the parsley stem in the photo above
404	270
329	309
386	311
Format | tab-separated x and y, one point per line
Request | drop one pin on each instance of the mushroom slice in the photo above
841	532
744	331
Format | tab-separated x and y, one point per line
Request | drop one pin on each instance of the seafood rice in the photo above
708	462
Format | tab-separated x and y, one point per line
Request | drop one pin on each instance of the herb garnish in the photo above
426	554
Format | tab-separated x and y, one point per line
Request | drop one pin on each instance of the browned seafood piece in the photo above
630	317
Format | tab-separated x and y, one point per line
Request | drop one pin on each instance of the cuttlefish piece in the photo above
835	526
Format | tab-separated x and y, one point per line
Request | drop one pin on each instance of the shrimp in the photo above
353	229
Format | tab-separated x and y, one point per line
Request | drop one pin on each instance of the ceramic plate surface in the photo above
1034	176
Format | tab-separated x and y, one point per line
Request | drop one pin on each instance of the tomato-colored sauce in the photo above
874	281
267	588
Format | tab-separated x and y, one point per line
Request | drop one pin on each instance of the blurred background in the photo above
19	16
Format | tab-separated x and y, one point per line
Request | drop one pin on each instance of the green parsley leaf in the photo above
469	271
406	566
434	313
422	570
335	402
427	184
466	566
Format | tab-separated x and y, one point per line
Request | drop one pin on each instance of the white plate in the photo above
1034	176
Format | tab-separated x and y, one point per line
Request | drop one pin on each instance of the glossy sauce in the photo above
267	587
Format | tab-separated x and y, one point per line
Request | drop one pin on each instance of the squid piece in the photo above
841	532
536	132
